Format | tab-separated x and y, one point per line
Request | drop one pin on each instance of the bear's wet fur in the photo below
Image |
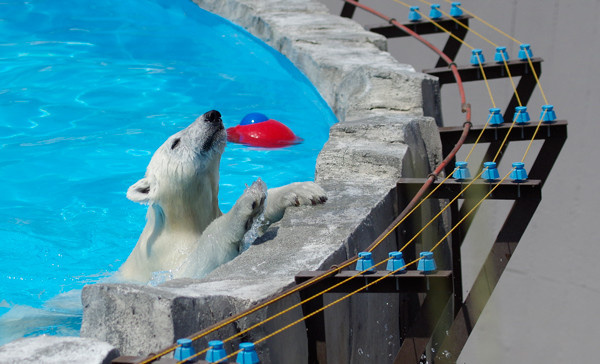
186	234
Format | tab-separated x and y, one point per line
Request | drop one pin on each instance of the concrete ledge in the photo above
54	349
383	134
347	64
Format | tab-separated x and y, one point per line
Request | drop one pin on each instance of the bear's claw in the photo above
294	194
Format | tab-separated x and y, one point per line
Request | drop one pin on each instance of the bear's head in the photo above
185	169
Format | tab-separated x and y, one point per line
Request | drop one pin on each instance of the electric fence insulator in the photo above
426	263
216	351
247	355
490	173
495	117
477	57
413	14
524	51
396	262
184	350
435	12
518	174
455	10
461	172
521	115
365	262
548	114
501	55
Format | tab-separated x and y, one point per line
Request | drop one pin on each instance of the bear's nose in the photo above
213	116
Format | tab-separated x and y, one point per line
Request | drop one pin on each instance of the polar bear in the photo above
186	233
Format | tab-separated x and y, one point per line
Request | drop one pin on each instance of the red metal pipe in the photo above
465	107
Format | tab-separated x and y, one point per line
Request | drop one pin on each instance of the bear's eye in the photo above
144	190
175	143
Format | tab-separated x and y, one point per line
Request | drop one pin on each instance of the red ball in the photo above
268	134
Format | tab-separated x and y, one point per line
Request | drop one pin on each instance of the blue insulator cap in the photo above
184	350
500	53
548	114
435	12
396	262
495	118
521	115
524	51
518	174
426	263
477	57
413	14
216	351
461	171
247	355
455	9
365	262
490	173
253	118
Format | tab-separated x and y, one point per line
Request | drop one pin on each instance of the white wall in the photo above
544	309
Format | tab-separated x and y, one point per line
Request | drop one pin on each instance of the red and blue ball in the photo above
258	130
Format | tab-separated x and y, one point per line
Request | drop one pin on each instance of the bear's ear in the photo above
141	191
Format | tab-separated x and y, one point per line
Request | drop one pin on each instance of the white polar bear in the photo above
186	233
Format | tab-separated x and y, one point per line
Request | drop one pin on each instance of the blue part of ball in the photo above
254	118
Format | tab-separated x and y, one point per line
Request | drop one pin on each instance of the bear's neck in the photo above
192	209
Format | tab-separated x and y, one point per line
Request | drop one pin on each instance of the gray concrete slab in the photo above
56	350
385	132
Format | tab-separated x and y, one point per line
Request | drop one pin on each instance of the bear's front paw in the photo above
253	198
305	193
295	194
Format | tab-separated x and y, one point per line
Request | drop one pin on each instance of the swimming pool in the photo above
90	90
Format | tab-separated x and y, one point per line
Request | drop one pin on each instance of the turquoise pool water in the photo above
89	90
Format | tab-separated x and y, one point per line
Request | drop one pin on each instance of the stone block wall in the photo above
387	129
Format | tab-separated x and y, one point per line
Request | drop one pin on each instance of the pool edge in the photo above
382	135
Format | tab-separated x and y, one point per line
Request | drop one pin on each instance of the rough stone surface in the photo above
387	129
54	349
379	148
347	64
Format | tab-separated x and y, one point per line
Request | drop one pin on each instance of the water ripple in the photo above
88	92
